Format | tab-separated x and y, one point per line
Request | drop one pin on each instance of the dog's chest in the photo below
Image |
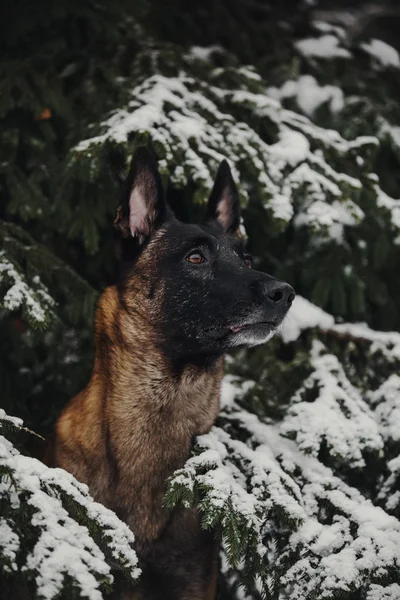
198	400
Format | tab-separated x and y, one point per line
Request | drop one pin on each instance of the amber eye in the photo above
196	258
248	261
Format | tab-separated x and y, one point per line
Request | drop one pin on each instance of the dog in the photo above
185	295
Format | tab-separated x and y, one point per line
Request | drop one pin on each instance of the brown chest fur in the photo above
126	433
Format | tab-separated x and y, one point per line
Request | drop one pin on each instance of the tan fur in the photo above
133	425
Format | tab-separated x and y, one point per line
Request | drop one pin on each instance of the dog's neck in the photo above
132	365
153	413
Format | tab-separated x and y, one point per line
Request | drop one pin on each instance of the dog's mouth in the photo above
251	326
229	330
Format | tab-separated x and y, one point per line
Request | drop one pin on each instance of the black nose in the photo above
280	293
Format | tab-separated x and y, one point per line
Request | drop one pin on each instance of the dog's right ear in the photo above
143	208
223	205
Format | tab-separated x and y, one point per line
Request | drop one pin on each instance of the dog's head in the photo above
194	283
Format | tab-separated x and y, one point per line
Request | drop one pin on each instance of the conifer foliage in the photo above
301	473
52	530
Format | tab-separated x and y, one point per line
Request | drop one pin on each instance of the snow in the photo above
304	315
292	148
326	46
281	207
392	206
311	174
386	401
63	548
182	123
359	541
387	342
190	118
36	302
224	483
204	52
375	547
337	415
394	132
379	592
232	474
385	55
249	72
320	215
309	95
389	493
9	545
329	28
15	421
232	388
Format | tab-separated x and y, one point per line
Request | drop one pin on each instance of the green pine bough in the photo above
54	535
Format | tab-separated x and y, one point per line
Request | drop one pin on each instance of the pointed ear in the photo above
143	207
224	205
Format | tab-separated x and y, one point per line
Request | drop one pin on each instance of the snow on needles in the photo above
384	55
327	46
309	94
9	545
393	207
389	493
231	474
305	315
386	401
327	409
195	120
380	592
64	547
342	547
34	298
14	421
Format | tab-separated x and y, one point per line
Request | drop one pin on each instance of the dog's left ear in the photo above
224	205
143	207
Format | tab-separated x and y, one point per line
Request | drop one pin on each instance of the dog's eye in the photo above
196	258
248	260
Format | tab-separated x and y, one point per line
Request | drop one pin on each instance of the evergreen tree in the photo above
301	473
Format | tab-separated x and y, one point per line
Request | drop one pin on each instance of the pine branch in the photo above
55	535
25	263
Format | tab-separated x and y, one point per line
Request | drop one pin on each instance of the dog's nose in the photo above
280	293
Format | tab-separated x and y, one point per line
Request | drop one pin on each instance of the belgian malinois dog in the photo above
185	295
